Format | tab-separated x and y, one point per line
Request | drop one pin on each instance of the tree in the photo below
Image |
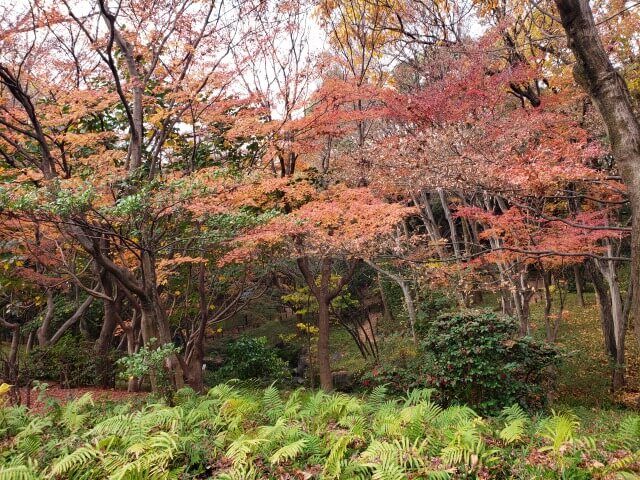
337	223
595	73
105	176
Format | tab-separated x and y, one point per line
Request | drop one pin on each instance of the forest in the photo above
319	239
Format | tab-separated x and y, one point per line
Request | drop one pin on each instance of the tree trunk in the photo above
148	331
594	71
130	332
411	309
608	320
520	313
73	319
452	225
12	360
10	374
548	304
426	212
324	294
324	352
406	292
387	313
195	361
608	270
102	347
154	318
30	341
577	275
604	304
43	331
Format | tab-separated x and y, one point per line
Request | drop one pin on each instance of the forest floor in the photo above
584	376
61	395
583	379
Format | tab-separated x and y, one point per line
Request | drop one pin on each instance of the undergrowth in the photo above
237	433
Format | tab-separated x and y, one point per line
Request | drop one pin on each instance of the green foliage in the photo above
232	433
66	202
146	361
478	359
433	303
401	366
398	376
252	358
516	421
71	362
304	302
149	361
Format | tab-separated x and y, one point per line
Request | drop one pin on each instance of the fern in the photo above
558	430
418	396
629	432
222	391
71	414
20	472
256	434
333	465
241	448
246	472
289	452
81	458
377	398
513	431
388	470
514	412
515	423
623	466
293	405
272	403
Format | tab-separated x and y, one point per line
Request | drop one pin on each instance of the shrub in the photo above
477	359
149	362
401	366
70	362
432	304
398	378
252	358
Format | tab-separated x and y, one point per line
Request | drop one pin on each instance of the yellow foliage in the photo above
5	388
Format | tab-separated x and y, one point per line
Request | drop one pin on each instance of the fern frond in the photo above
293	405
560	429
240	449
272	403
419	395
514	412
377	397
19	472
289	452
80	458
333	464
629	432
513	431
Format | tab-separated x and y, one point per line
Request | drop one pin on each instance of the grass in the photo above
584	378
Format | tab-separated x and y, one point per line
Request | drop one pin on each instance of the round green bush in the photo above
248	358
477	358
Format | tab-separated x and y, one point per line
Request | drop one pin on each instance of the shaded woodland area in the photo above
431	203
